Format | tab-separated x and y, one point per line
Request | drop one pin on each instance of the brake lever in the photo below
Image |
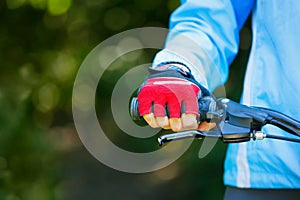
187	134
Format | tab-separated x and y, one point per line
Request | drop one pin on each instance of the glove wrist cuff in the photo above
176	69
173	65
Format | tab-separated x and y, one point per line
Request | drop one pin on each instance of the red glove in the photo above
176	94
170	91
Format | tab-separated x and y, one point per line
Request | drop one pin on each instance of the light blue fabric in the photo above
204	35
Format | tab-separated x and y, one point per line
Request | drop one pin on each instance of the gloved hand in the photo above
169	98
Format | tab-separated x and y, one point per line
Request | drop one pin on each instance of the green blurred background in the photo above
42	44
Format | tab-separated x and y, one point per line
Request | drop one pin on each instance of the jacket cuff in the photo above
167	56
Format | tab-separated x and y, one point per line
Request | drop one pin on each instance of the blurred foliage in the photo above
42	44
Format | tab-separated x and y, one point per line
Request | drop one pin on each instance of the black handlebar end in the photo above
134	112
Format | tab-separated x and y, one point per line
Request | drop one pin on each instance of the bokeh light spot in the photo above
58	7
47	97
126	43
13	4
38	4
116	18
80	100
64	66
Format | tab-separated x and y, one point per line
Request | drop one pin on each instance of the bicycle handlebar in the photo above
235	122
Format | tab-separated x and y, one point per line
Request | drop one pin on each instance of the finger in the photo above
150	119
189	121
145	99
205	126
175	124
167	127
174	106
159	107
163	122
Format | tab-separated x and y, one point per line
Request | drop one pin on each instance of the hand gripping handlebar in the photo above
234	122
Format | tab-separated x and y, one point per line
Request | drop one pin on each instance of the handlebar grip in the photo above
134	111
208	110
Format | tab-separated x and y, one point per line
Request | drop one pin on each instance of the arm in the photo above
202	42
204	35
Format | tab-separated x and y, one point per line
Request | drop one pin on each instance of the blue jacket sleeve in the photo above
204	35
